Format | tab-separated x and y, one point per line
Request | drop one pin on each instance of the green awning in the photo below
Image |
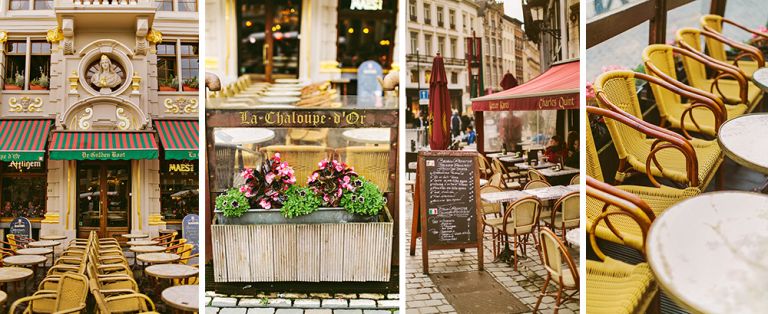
103	146
179	138
23	140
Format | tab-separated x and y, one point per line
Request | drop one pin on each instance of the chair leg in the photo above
557	298
543	292
514	250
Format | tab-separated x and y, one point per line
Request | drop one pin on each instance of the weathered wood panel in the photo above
309	252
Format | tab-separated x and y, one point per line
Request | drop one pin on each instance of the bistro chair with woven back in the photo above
561	270
659	198
509	179
614	286
702	111
646	148
535	175
303	159
566	214
731	88
370	162
714	23
490	217
69	297
519	221
484	166
496	181
15	242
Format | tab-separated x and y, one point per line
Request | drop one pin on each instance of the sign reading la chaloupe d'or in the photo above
311	118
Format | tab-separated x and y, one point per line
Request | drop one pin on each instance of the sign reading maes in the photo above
449	209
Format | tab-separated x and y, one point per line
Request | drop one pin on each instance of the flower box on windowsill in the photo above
11	87
187	88
168	89
37	87
328	245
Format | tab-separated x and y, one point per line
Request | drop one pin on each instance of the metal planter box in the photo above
328	245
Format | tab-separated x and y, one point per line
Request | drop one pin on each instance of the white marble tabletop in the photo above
760	78
550	172
743	140
368	135
44	243
239	136
543	194
184	297
573	237
503	196
710	252
541	165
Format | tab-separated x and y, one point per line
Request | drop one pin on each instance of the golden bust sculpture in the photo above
106	76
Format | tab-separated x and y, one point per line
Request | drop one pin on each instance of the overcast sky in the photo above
514	8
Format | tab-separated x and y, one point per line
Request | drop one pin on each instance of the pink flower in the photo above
323	164
247	174
290	180
338	166
614	68
761	29
326	198
313	177
338	192
277	157
590	91
269	177
265	203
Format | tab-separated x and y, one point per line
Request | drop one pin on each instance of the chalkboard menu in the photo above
449	207
190	230
21	227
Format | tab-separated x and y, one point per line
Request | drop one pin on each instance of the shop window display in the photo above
23	189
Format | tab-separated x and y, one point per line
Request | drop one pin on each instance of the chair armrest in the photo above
30	299
77	309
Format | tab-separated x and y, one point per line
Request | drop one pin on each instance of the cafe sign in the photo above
302	119
366	5
553	102
181	167
25	165
11	156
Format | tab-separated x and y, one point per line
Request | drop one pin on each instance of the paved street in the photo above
525	284
301	303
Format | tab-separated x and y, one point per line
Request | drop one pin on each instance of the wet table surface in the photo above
172	271
183	297
158	258
147	249
34	251
24	260
710	252
743	140
11	274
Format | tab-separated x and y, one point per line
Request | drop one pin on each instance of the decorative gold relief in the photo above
124	123
73	82
84	121
54	35
181	105
25	104
136	82
154	36
3	36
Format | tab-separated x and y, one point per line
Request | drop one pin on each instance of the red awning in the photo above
555	89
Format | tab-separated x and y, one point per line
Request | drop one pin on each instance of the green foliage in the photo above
192	82
299	201
233	203
42	80
365	200
171	81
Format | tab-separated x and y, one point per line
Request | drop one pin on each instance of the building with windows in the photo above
98	115
279	39
438	27
492	17
530	63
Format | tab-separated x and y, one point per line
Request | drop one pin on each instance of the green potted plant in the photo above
15	82
40	83
190	85
170	84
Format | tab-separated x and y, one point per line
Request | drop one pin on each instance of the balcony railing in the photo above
428	60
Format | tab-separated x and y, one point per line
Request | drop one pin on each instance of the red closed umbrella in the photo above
508	81
439	107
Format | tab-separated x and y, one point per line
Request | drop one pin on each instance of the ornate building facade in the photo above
101	100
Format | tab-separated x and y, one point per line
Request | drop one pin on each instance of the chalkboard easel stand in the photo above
420	226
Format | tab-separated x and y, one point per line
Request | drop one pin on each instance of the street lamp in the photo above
534	14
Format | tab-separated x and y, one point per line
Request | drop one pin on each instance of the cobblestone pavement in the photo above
300	303
525	284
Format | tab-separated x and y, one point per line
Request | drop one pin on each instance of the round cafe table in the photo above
145	249
170	272
45	244
15	274
142	242
573	237
742	140
135	236
36	251
53	237
368	135
241	136
25	260
158	258
709	252
182	298
760	78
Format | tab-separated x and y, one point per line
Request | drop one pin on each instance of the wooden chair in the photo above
554	254
702	112
484	166
519	221
689	38
536	184
303	159
494	210
370	162
614	286
575	180
69	297
665	154
566	215
509	179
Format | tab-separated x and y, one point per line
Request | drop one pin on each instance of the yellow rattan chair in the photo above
665	154
614	286
495	180
519	221
509	179
123	303
535	175
316	136
694	114
732	91
566	215
494	210
69	297
714	23
371	163
303	159
484	166
554	254
575	180
536	184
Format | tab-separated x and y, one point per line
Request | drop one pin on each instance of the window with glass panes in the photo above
22	76
40	65
178	188
187	5
15	64
414	42
164	5
22	190
439	16
166	67
30	5
190	63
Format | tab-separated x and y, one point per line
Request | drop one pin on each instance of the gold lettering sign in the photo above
556	102
300	118
25	165
181	168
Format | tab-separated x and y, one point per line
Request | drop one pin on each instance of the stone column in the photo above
318	29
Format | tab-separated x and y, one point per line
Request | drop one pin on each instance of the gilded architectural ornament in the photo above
25	104
55	35
124	123
106	76
154	36
181	105
73	82
84	121
136	83
3	36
